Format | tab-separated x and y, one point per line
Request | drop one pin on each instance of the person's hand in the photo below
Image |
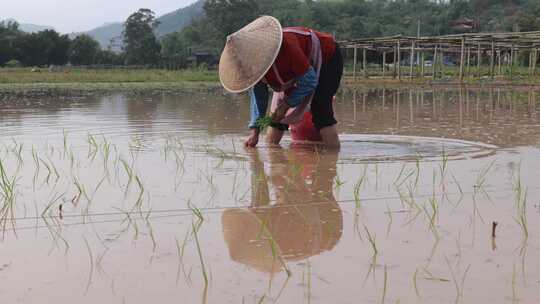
280	112
253	138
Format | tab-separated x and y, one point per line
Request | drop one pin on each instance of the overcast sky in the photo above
81	15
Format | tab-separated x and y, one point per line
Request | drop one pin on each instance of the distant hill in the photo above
180	18
105	33
171	22
31	28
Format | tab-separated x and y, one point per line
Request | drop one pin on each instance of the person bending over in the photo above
303	67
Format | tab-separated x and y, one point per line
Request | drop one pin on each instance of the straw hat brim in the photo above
249	53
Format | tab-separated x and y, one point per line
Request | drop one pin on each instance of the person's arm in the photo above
305	86
259	103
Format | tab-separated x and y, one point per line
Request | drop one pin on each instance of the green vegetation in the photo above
25	75
203	26
140	42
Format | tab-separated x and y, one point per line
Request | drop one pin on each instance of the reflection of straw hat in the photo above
297	232
249	53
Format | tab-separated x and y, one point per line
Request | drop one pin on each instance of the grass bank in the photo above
24	81
26	75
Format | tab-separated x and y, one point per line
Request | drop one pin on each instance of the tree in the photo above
42	48
228	16
83	50
140	42
9	31
109	57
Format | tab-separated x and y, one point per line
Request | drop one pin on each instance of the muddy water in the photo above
133	199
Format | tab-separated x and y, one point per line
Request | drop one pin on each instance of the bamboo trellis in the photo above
500	48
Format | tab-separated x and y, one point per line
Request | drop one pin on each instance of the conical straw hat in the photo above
249	53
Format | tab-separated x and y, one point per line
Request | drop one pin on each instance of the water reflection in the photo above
303	221
505	117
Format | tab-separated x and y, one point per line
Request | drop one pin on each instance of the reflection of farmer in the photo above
303	67
304	221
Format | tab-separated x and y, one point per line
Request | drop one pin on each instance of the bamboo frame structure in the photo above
500	48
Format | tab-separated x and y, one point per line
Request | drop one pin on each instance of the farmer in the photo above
302	66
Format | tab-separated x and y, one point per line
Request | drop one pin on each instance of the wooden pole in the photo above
492	62
441	61
499	57
399	59
435	62
479	60
422	65
411	75
462	60
535	61
468	61
395	60
530	63
512	61
354	63
364	62
383	64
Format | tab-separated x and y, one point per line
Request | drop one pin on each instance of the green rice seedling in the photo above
80	192
433	251
358	187
8	195
99	261
35	158
457	183
417	160
181	251
55	171
306	281
273	245
385	285
49	171
106	152
199	251
514	285
444	165
403	166
264	122
481	177
459	287
390	220
339	182
71	160
65	141
54	199
408	175
17	152
372	241
434	214
91	272
129	222
476	210
93	147
521	217
35	177
415	283
129	172
139	201
430	277
356	223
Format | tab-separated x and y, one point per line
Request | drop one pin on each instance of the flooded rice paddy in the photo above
121	198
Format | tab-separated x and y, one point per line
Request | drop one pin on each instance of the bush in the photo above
13	64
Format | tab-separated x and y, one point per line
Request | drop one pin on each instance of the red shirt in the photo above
293	58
